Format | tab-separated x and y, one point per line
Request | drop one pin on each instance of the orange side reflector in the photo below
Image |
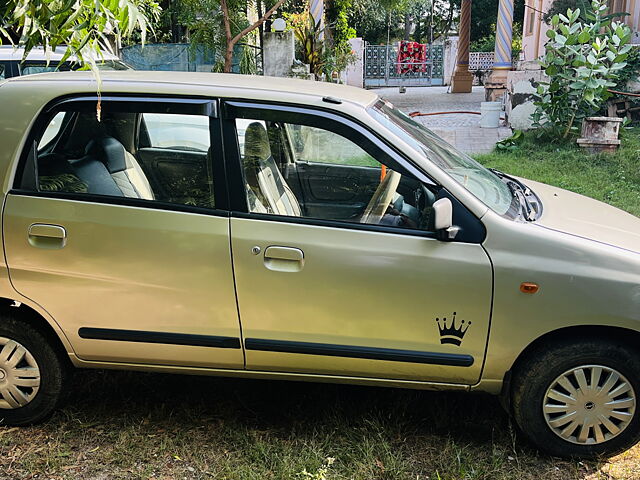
529	287
383	172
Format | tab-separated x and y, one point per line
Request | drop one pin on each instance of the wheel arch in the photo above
623	335
35	319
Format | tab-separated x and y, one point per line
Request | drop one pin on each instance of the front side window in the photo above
2	77
297	170
161	157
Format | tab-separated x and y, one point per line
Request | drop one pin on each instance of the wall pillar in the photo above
278	53
316	9
462	80
497	83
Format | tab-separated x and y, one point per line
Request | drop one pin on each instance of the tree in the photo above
434	19
221	24
233	39
484	14
86	27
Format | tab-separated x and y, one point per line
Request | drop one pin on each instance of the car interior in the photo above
279	180
115	157
91	156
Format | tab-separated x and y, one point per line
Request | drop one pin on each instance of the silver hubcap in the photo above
19	375
589	405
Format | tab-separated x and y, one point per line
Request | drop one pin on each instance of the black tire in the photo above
54	374
542	367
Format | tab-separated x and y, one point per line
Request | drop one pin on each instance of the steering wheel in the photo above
381	198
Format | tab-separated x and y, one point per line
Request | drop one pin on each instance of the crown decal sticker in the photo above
451	334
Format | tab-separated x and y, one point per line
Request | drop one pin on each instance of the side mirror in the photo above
443	215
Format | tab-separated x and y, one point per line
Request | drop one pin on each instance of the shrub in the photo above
582	60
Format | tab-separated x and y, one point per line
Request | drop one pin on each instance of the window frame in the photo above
134	103
320	118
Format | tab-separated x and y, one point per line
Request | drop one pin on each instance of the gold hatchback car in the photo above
246	226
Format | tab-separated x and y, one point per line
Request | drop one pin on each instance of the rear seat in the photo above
108	169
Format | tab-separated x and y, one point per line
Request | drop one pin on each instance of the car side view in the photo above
271	228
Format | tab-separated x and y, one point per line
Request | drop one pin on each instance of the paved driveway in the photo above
461	130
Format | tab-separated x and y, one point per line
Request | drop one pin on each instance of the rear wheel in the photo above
32	374
579	399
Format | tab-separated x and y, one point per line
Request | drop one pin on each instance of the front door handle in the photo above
42	235
284	259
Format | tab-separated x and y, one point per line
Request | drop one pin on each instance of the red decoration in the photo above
412	57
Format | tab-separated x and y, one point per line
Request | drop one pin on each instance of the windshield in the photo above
113	65
481	182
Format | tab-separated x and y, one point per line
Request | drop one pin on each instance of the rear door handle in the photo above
284	259
43	235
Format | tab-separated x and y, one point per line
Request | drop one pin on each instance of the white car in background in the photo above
38	61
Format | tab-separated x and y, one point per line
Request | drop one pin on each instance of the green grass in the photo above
125	425
612	178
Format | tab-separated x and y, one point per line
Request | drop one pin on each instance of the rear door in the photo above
127	279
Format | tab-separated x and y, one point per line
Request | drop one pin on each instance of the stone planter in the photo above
600	134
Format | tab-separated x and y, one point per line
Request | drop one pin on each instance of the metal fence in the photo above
180	57
382	69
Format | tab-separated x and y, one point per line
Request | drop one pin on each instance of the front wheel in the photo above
579	399
32	375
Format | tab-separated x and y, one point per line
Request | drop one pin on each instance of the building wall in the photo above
534	30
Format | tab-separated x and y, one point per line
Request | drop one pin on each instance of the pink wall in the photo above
534	30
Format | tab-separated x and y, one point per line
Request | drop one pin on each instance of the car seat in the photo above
108	169
266	187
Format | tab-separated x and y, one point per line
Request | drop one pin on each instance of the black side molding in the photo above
352	351
159	337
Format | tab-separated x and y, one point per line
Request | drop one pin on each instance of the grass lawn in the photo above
124	425
614	179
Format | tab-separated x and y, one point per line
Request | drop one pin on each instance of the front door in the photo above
370	293
120	239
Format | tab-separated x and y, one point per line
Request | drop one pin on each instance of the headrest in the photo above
256	142
53	164
109	151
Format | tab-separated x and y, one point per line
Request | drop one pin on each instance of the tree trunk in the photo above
407	25
231	41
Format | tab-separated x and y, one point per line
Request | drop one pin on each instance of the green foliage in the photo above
203	19
337	54
510	143
311	48
87	27
631	71
488	43
371	21
483	19
338	19
582	60
248	64
585	7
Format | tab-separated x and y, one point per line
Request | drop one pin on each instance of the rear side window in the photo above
129	153
2	77
178	132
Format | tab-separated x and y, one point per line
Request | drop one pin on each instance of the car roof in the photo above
164	81
8	52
